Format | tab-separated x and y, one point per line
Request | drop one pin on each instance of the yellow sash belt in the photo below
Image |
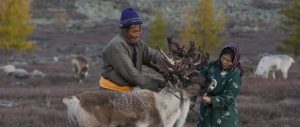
105	83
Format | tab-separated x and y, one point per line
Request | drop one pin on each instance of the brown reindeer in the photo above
145	108
80	67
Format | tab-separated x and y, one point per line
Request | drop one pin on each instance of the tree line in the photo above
203	25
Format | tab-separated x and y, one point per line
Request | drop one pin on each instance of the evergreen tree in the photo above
291	24
205	27
15	25
158	32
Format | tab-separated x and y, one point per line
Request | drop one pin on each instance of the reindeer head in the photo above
181	65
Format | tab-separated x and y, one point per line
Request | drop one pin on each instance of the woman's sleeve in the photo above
204	71
230	92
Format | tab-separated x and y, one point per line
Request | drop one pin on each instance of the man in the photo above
124	56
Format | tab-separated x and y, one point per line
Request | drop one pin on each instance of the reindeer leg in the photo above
266	74
284	74
273	75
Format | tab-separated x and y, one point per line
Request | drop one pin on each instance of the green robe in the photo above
223	112
118	65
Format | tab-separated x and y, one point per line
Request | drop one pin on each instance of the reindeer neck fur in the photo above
171	96
178	107
181	95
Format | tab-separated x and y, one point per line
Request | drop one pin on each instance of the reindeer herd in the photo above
144	108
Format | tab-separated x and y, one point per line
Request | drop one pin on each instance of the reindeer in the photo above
81	67
145	108
272	63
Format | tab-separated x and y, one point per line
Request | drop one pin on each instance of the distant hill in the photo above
242	15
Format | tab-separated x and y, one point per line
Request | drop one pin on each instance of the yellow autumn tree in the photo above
204	26
188	33
291	25
15	25
158	32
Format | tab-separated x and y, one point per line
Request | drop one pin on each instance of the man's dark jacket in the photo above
120	66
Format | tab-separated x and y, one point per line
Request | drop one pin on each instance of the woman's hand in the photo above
206	100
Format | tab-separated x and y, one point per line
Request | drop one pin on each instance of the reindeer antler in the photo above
182	61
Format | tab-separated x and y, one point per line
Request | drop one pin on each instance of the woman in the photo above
219	107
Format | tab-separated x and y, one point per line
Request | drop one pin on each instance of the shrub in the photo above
15	25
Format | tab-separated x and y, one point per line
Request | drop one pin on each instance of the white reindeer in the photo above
145	108
274	63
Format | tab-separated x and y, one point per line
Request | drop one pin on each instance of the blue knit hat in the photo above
129	17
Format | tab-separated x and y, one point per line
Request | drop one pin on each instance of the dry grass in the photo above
39	99
269	103
262	102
